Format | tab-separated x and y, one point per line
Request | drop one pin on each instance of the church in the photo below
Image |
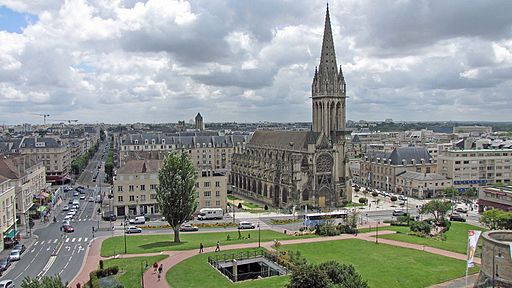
297	168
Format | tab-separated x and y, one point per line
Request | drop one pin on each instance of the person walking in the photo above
217	249
201	247
160	269
155	267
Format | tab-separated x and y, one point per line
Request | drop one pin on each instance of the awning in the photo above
10	233
41	208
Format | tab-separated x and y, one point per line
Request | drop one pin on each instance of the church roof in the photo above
401	153
289	140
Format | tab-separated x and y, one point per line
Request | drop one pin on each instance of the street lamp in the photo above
377	233
232	194
259	235
124	231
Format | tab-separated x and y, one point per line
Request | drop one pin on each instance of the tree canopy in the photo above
176	190
45	282
437	208
497	219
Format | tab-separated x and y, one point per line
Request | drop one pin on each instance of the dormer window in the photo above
163	141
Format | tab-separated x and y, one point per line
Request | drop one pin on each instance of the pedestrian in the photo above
155	267
158	276
217	249
161	268
201	247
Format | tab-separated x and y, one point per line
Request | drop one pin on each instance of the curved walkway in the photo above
175	257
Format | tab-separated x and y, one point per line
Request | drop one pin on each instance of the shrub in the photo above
239	205
393	198
422	227
266	207
375	194
363	200
101	264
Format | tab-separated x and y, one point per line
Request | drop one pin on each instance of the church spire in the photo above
328	56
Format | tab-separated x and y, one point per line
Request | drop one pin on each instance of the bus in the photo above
314	219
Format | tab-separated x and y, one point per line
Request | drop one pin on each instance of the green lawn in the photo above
156	243
196	272
456	237
130	268
251	205
384	265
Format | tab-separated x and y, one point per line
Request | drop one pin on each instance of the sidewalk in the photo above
175	257
24	239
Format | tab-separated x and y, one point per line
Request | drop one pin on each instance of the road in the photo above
54	252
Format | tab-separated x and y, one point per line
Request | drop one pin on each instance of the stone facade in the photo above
496	268
295	168
7	209
134	189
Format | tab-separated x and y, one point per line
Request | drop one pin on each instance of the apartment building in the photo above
207	150
134	188
379	169
54	155
495	197
7	210
421	185
29	180
473	168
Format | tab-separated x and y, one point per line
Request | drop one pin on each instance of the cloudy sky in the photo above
125	61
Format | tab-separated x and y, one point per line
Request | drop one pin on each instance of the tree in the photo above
497	219
393	198
363	200
327	274
45	282
438	209
176	190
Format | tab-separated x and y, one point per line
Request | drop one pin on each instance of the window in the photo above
142	187
132	198
119	188
130	188
142	197
217	203
206	184
217	193
152	187
207	193
119	198
217	183
197	185
207	203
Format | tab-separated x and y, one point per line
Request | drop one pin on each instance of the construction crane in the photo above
62	121
44	117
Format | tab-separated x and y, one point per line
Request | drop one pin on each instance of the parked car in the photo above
402	197
91	199
10	242
6	284
68	228
246	225
138	220
457	217
133	229
189	227
70	202
15	255
66	222
398	212
71	213
4	263
109	216
68	217
20	247
65	208
75	194
82	197
461	209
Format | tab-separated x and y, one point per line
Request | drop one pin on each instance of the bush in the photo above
375	194
422	227
101	264
363	200
266	207
239	205
393	198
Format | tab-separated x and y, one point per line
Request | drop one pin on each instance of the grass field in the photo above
130	269
196	272
156	243
456	237
384	265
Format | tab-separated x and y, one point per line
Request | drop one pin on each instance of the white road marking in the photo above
67	240
36	243
47	266
79	239
55	241
85	240
42	242
48	249
73	240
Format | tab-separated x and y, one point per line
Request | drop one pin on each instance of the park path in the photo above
175	257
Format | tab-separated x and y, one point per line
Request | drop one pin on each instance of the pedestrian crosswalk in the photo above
65	240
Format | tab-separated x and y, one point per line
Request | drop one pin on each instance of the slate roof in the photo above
190	140
140	166
8	170
289	140
421	176
401	153
29	142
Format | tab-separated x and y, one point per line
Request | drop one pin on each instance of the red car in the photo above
68	228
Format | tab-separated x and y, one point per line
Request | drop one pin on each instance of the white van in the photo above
210	213
138	220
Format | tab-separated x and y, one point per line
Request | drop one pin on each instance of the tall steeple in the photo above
328	88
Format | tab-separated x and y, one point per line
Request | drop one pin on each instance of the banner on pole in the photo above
473	237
